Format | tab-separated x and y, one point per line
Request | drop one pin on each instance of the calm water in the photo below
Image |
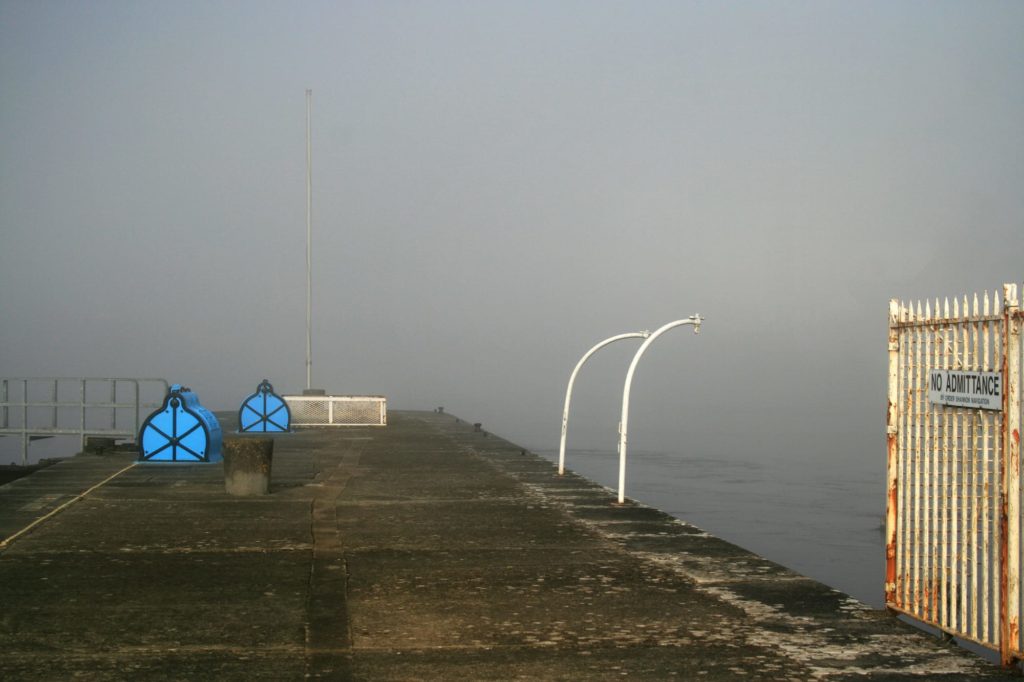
58	446
823	521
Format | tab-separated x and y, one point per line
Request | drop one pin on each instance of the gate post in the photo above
1009	608
892	464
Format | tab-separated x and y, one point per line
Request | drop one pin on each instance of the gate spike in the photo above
956	308
975	304
1010	293
945	308
927	310
985	309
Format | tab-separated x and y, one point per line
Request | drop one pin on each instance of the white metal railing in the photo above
337	410
572	380
42	407
953	510
693	320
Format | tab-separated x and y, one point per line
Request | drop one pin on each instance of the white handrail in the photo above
572	378
695	320
57	427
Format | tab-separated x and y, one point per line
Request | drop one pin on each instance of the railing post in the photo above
1009	610
24	422
113	404
572	378
695	320
138	407
82	422
892	468
53	396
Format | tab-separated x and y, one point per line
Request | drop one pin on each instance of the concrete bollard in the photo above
247	461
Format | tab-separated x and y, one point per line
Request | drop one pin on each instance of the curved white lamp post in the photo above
572	378
695	320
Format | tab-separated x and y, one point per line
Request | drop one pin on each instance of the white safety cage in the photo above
337	410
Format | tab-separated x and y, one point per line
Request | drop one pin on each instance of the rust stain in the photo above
893	501
1006	622
1009	645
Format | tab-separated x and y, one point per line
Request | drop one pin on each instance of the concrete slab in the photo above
423	550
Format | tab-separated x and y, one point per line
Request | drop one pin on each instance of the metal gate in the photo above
953	511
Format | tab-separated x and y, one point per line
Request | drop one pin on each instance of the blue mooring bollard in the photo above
264	412
181	430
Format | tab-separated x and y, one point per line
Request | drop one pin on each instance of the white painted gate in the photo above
954	496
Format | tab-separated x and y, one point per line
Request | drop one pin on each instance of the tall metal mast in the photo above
309	241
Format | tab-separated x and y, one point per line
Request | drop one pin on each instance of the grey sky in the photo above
497	186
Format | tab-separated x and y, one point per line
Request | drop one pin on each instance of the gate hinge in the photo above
892	430
889	587
894	345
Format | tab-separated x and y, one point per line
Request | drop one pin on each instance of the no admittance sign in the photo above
976	390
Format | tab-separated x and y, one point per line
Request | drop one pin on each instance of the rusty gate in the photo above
953	521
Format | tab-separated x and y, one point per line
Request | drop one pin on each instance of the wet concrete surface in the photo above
422	550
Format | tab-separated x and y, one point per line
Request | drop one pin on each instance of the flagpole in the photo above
309	241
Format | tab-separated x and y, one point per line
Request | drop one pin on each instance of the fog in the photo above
498	186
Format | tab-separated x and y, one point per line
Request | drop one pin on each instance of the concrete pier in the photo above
425	550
